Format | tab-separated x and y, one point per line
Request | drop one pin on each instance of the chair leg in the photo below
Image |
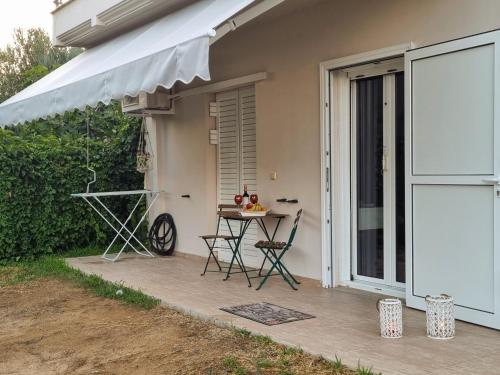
208	259
263	263
206	266
266	257
276	263
289	282
290	274
282	267
211	254
275	255
282	275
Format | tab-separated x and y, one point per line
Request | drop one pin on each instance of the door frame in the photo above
335	186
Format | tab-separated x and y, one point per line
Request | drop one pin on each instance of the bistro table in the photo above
245	221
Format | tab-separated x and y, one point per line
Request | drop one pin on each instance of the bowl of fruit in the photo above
254	208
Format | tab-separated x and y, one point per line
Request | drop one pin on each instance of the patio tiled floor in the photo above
346	322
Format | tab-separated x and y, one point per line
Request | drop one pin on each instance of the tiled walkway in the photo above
346	322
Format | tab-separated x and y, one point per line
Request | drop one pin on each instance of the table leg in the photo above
242	266
236	244
236	250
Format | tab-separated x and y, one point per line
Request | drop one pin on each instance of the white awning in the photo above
173	48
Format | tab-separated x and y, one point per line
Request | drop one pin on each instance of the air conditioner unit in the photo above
160	103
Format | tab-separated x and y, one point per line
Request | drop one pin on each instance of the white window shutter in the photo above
228	150
248	160
228	163
236	127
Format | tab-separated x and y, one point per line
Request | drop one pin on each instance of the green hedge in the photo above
37	175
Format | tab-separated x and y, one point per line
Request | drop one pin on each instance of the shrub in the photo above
39	172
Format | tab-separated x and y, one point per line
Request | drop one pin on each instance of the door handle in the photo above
384	161
495	181
492	180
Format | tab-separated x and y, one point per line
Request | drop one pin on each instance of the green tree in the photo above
44	161
30	56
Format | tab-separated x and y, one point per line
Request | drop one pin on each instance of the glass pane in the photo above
400	179
370	180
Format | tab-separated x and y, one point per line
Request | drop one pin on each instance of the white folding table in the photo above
101	208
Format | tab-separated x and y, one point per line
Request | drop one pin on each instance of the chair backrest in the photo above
225	207
294	228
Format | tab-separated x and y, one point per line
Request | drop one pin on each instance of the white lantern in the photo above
391	318
440	317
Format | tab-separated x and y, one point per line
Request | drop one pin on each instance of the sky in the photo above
25	14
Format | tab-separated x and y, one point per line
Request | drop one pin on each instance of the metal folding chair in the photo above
274	251
211	239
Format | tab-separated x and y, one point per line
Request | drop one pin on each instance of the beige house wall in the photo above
289	42
185	165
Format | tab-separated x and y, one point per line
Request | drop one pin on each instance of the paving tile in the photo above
484	365
346	322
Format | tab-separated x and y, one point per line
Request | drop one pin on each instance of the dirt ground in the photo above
52	327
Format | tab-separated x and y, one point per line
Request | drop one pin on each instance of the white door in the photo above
452	136
237	160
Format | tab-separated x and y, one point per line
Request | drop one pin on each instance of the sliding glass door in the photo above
377	178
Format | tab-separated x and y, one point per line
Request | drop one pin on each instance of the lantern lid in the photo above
439	298
390	301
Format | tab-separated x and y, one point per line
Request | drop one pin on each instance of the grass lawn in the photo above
57	320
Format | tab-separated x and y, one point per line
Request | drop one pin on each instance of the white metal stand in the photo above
129	235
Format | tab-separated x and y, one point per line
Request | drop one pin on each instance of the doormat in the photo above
267	313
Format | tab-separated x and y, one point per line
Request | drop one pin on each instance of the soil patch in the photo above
49	326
